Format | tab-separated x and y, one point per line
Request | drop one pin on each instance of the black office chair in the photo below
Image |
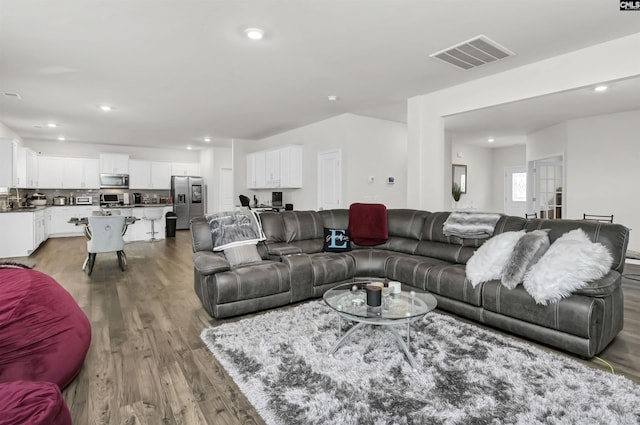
532	215
244	201
600	218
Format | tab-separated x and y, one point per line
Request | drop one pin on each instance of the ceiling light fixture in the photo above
332	98
61	138
106	108
189	148
52	125
254	33
601	88
207	139
491	140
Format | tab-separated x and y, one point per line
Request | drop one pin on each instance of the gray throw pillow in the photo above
242	254
526	253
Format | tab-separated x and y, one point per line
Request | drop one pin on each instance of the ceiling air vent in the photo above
11	95
473	53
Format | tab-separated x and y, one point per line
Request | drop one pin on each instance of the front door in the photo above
515	190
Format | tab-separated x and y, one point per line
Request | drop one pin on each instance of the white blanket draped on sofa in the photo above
470	225
234	228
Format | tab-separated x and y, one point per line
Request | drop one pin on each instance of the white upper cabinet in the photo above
25	167
277	168
51	172
185	169
114	163
6	162
149	174
139	174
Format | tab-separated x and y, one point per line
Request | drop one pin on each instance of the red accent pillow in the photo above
368	224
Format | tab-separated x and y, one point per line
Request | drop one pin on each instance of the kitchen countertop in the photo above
43	207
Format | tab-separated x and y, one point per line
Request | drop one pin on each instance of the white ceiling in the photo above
508	124
178	70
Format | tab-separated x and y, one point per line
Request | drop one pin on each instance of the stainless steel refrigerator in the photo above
188	199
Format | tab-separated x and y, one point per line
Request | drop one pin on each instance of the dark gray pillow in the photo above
526	253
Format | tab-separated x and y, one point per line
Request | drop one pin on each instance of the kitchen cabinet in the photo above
60	217
276	168
67	173
25	230
25	168
185	169
114	163
6	162
51	172
149	175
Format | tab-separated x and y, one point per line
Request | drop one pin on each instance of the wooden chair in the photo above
530	216
600	218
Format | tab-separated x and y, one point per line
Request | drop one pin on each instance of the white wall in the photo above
7	133
211	161
370	147
603	169
551	141
480	185
429	182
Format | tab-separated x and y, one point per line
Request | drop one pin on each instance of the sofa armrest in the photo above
208	262
601	288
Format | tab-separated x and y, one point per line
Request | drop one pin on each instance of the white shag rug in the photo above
465	375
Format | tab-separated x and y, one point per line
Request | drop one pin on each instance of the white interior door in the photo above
226	190
548	179
515	190
329	179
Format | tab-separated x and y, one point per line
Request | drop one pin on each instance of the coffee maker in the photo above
137	198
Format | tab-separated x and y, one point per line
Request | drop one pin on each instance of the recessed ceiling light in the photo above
106	108
332	98
207	139
491	140
601	88
52	125
189	148
254	33
61	138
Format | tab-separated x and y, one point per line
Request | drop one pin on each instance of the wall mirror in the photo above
459	175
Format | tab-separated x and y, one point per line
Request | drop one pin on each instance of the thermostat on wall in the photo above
391	180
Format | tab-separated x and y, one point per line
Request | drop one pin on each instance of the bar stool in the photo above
152	214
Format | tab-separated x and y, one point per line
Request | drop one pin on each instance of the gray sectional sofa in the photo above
418	254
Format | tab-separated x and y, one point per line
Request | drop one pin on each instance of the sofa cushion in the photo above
273	227
371	262
302	225
33	403
570	315
336	219
406	223
450	252
569	264
527	251
451	281
411	269
614	237
331	268
243	254
45	335
251	281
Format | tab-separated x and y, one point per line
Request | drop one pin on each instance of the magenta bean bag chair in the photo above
33	403
44	335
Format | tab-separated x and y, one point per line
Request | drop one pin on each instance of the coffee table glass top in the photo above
404	305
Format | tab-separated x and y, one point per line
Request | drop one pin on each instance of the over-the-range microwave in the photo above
114	181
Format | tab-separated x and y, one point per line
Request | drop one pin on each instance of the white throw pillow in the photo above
242	254
489	261
569	264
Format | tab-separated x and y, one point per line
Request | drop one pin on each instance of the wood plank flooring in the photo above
147	364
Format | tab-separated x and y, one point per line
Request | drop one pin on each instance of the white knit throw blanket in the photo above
470	225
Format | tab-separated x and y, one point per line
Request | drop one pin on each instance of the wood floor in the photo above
147	364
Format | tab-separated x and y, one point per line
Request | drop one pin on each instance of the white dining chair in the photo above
106	236
152	214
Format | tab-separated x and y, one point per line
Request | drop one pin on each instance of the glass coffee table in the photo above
349	301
